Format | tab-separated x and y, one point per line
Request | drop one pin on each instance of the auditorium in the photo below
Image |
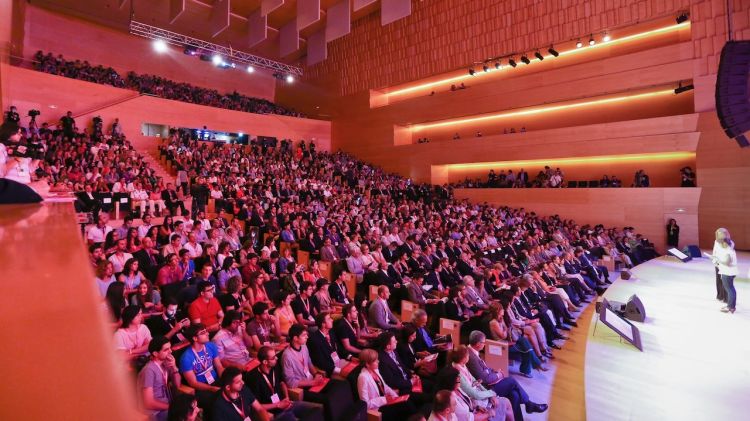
375	210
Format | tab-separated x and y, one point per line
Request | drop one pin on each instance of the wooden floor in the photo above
694	364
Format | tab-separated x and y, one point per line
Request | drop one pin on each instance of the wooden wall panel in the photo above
106	46
31	89
648	210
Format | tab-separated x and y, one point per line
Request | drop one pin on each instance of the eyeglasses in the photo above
203	332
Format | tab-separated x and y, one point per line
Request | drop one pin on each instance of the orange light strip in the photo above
464	77
541	110
606	159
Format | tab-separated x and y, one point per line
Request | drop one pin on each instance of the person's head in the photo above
234	284
723	237
298	335
183	407
350	312
131	315
122	245
419	318
324	321
444	403
408	334
285	298
10	132
369	359
417	278
104	269
477	339
448	379
96	252
145	288
232	320
267	357
321	284
207	270
197	333
383	292
159	348
231	380
131	266
260	310
307	289
387	341
206	290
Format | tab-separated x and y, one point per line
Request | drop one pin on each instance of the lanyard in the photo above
166	380
241	409
271	383
203	366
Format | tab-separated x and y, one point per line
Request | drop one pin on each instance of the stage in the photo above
695	360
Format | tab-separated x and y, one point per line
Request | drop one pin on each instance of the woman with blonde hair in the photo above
725	259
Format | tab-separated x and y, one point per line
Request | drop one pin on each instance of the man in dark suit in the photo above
149	259
87	202
394	372
169	196
391	253
322	345
199	191
506	387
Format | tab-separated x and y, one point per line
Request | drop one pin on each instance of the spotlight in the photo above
606	38
539	56
525	59
250	69
512	63
486	68
579	44
497	65
683	17
289	78
592	41
216	60
190	51
160	46
471	72
553	51
680	89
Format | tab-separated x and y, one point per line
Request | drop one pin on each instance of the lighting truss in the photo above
228	53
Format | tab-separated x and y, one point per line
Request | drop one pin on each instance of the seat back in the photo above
452	328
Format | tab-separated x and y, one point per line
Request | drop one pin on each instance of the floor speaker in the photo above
693	251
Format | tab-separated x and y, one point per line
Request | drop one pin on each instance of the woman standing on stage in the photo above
673	233
725	259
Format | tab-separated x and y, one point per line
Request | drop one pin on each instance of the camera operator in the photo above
98	124
18	160
12	116
68	124
33	128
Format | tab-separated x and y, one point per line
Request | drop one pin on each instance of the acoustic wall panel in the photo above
219	17
308	12
317	48
359	4
288	38
257	28
268	6
339	22
176	7
393	10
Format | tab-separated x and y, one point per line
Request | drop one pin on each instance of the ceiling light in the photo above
592	41
160	46
217	60
486	68
683	17
553	51
512	63
497	65
472	71
250	69
289	78
606	37
539	56
579	44
680	89
525	59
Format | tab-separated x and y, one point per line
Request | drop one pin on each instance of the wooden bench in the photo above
326	269
453	328
407	310
373	293
351	286
303	258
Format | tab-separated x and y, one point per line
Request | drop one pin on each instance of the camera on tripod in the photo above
34	113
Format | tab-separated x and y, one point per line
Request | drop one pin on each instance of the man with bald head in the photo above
380	314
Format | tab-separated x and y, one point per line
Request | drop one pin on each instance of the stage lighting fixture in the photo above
553	51
606	37
190	51
592	41
486	68
512	63
216	60
250	69
680	89
289	78
205	57
579	44
497	65
471	72
160	46
525	59
683	17
539	56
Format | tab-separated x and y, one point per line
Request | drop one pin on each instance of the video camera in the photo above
26	150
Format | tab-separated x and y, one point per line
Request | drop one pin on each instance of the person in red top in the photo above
169	276
206	308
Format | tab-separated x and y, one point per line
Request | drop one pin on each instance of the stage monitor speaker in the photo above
693	251
583	184
625	275
680	255
732	96
634	309
572	184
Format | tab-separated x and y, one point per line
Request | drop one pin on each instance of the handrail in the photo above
111	104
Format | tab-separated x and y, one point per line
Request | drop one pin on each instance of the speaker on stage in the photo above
693	251
732	97
634	309
625	275
680	255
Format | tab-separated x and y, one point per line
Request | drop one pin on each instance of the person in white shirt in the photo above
133	337
230	341
139	197
374	391
98	233
143	229
725	259
443	407
120	256
193	247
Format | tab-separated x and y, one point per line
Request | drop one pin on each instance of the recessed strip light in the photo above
540	110
582	160
464	77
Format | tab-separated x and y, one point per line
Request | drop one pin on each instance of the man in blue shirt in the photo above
200	365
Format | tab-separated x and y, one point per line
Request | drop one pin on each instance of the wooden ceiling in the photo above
194	21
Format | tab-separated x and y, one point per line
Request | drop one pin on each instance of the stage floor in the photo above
695	363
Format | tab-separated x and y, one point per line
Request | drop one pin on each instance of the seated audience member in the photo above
115	301
348	333
146	298
324	345
120	256
170	324
338	290
105	276
133	336
206	308
131	276
230	341
236	402
303	306
228	270
149	258
424	343
184	407
416	293
263	328
158	379
322	297
464	407
500	328
296	363
380	314
481	396
98	233
411	360
272	392
444	406
170	276
233	299
376	393
172	201
495	380
284	312
200	365
395	373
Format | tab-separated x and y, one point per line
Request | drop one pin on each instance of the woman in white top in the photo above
725	259
464	408
376	393
498	407
133	337
105	275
